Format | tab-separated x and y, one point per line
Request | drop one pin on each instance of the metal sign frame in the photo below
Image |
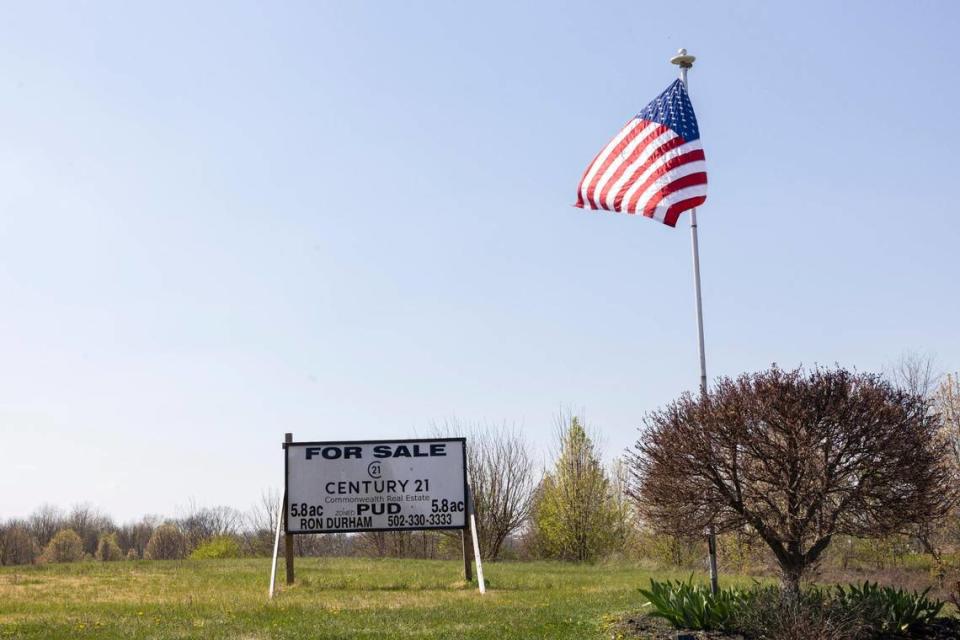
311	443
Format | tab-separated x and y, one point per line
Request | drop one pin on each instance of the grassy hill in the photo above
334	598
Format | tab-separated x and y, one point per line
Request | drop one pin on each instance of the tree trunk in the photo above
790	575
930	548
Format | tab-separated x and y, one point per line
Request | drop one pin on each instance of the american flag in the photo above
654	166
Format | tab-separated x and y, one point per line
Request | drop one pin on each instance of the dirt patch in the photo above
940	629
644	628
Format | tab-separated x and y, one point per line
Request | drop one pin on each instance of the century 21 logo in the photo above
373	469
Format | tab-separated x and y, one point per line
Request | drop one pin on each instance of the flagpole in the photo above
685	61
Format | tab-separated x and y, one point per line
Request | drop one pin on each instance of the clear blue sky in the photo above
220	222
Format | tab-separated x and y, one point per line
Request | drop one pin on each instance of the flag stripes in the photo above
654	166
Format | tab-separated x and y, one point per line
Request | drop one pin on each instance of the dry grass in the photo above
334	598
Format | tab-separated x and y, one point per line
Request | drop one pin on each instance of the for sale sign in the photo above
376	485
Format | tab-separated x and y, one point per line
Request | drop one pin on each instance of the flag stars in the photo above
672	108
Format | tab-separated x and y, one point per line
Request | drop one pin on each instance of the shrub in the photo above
691	606
865	459
216	548
107	548
767	615
65	546
132	554
166	543
889	610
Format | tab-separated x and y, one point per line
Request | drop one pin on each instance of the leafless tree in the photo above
502	481
391	544
427	544
322	544
88	522
373	543
17	545
202	523
385	544
262	515
45	522
501	476
261	522
135	536
625	518
947	403
798	456
916	373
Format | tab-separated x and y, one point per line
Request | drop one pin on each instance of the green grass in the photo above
334	598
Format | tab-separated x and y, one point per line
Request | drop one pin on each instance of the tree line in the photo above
791	467
571	511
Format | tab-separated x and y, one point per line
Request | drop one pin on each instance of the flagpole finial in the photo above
682	59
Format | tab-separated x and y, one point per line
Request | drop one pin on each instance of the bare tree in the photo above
17	545
625	516
261	522
935	536
202	523
45	522
916	373
947	403
262	515
373	543
323	544
136	535
88	523
386	544
501	479
501	475
798	456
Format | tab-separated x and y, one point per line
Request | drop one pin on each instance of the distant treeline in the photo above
51	534
575	509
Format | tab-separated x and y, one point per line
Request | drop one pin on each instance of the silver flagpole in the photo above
685	61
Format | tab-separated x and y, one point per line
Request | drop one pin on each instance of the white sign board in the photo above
384	485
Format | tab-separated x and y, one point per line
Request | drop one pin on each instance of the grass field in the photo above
334	598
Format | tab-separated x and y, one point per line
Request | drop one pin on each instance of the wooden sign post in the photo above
288	537
467	559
